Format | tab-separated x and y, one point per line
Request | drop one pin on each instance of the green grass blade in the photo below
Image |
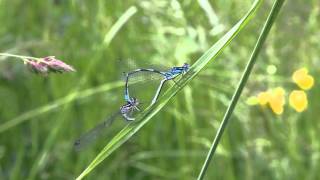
144	117
58	104
264	33
117	26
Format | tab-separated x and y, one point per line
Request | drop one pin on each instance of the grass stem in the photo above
264	33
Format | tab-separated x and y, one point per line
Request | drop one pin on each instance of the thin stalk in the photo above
25	59
264	33
17	56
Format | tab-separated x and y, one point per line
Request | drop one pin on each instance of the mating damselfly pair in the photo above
131	103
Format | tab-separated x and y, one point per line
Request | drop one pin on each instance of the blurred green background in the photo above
41	116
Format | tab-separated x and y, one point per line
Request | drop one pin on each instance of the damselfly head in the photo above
134	101
185	67
131	104
128	109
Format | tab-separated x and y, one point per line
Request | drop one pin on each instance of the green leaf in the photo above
128	131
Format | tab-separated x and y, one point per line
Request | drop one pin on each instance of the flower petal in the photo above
56	65
298	100
37	67
299	74
306	83
263	98
277	100
302	79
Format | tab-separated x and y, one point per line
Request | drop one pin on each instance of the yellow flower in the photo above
298	100
263	98
274	97
277	100
303	79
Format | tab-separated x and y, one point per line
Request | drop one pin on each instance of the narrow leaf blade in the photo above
128	131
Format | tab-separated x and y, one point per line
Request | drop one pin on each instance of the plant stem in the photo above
264	33
17	56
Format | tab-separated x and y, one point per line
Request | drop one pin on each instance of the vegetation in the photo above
273	130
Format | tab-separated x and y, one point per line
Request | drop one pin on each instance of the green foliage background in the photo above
45	115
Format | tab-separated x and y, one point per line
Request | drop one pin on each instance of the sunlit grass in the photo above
40	117
132	128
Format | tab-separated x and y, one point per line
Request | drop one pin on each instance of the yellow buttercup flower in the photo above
298	100
274	97
303	79
263	98
277	100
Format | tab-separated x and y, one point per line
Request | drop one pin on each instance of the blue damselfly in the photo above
126	111
171	74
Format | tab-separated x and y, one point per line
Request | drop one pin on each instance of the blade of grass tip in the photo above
41	159
116	27
212	16
264	33
145	116
107	40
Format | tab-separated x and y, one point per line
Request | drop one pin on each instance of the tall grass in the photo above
245	76
41	117
126	133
